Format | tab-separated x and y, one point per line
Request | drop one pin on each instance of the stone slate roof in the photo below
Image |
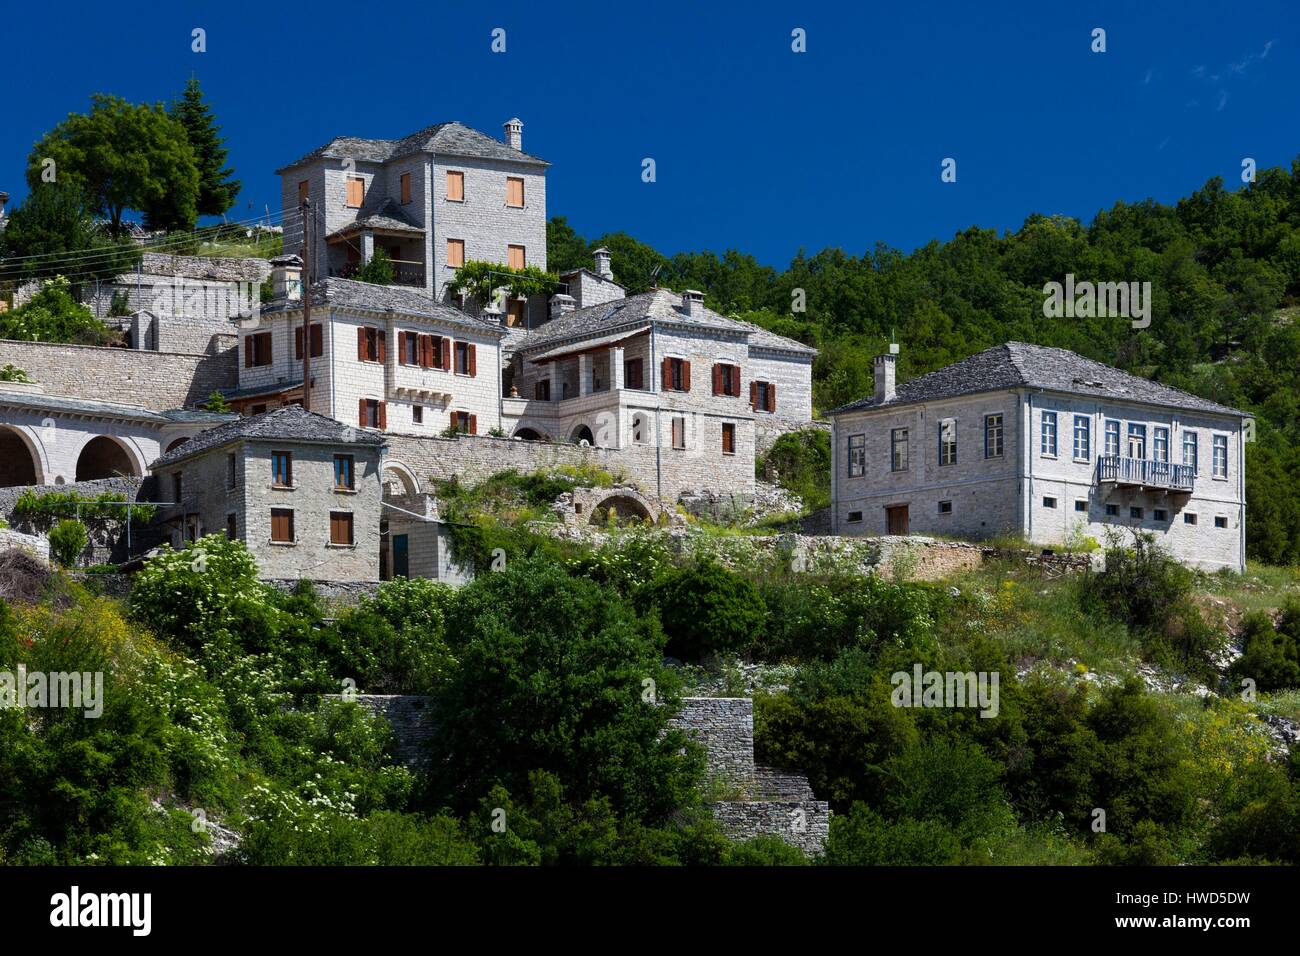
404	300
658	305
447	139
291	423
1020	365
203	267
388	215
81	406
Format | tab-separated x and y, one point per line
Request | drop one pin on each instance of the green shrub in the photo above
1270	655
863	837
379	270
68	539
802	460
394	642
707	610
765	851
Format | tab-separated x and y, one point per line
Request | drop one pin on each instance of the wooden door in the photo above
896	519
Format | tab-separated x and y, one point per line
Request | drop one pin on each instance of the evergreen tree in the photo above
217	191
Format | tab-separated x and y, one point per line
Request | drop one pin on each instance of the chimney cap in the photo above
695	294
595	252
514	121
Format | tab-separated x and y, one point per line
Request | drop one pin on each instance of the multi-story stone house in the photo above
658	373
302	492
1045	444
433	200
383	357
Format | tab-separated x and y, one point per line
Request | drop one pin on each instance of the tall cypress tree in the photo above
216	192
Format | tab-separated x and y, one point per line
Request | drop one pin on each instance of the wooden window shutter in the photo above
401	347
686	376
514	191
717	379
317	340
735	380
771	397
297	342
380	337
383	416
446	354
406	187
516	257
753	395
361	343
472	359
248	352
473	424
361	414
455	185
667	374
304	189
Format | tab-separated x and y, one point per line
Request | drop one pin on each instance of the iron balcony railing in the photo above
1139	471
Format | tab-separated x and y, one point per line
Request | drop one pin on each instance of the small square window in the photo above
1220	521
1189	518
1160	514
1080	505
1112	511
855	516
1049	502
945	507
1135	513
417	414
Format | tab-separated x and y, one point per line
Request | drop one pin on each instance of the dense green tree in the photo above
217	190
707	610
53	233
53	315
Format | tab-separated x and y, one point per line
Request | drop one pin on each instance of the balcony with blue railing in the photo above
1141	473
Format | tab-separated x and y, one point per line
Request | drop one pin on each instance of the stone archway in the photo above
625	509
173	445
582	433
105	457
529	434
626	504
399	478
19	463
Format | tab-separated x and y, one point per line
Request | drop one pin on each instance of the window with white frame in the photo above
1191	450
1137	440
1160	444
1112	439
1082	437
948	441
857	456
1047	444
898	449
1220	456
992	436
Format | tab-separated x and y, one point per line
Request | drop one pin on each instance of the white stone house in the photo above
382	357
1045	444
661	376
432	200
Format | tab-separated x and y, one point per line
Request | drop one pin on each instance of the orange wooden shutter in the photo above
446	355
753	395
514	191
516	256
771	397
455	185
303	191
735	380
472	359
361	414
667	373
381	337
383	416
473	424
455	252
717	380
406	187
686	376
361	343
401	347
356	192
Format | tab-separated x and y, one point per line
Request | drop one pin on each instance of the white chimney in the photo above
693	303
603	269
561	304
514	134
4	198
886	369
286	277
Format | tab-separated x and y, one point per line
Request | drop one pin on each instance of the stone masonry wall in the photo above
724	726
157	380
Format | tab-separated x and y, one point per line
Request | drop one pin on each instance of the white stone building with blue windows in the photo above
1043	443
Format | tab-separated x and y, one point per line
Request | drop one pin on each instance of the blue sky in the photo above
756	147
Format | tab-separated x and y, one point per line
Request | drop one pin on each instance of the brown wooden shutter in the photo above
361	343
473	424
771	397
717	379
381	336
317	340
753	395
446	354
472	359
401	347
406	187
383	416
361	414
297	342
735	380
668	374
686	376
248	352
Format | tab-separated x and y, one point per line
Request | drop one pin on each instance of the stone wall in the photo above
724	726
407	715
159	381
333	593
804	824
108	539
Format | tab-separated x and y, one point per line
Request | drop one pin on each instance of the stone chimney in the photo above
561	304
286	277
603	269
693	303
886	370
514	134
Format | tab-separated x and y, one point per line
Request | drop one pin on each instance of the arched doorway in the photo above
624	508
399	479
18	462
104	457
583	433
174	445
529	434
